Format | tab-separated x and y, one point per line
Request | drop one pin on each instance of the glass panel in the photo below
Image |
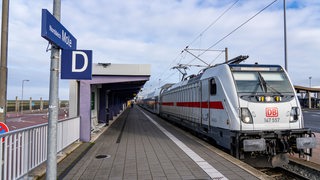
262	82
213	88
277	82
247	82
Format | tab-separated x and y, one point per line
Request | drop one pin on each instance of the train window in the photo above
213	87
262	82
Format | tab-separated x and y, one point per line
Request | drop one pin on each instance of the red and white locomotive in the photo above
251	110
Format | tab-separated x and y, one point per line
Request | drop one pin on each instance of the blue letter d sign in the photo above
76	64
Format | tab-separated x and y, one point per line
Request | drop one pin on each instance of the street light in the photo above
25	80
285	35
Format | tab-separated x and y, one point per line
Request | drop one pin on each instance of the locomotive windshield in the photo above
257	82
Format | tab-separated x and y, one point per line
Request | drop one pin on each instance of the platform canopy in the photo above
307	89
306	92
125	79
103	97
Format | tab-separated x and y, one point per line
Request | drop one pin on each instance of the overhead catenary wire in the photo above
242	24
214	22
220	40
199	36
174	61
221	52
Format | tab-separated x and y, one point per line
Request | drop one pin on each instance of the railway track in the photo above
296	169
304	169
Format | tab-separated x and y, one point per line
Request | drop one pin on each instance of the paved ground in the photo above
134	147
16	121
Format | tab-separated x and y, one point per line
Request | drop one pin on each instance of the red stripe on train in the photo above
167	104
211	105
188	104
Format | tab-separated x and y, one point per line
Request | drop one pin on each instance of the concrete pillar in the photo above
117	110
318	95
85	111
17	104
41	104
30	104
102	106
120	104
111	105
74	88
309	98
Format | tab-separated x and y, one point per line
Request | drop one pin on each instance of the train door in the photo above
219	120
218	112
205	111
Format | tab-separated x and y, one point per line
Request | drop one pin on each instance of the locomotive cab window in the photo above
255	85
213	87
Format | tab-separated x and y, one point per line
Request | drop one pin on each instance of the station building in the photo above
309	97
98	100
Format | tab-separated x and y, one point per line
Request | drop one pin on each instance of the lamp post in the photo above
309	93
25	80
285	36
3	60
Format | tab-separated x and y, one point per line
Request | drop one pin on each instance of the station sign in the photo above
76	64
53	31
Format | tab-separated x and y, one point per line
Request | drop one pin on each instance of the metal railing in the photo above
25	149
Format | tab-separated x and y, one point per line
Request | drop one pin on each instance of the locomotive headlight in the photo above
277	98
246	116
260	98
294	114
268	98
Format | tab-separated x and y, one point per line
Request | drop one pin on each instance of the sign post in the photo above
50	30
77	64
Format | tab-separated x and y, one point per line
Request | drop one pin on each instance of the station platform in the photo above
140	145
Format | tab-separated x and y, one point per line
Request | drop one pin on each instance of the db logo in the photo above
272	112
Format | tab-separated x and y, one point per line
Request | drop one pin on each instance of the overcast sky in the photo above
155	32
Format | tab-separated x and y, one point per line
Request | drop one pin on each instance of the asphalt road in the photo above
312	119
16	121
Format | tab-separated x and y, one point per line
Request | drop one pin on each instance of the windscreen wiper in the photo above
263	83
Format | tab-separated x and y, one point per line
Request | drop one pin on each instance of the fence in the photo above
16	105
25	149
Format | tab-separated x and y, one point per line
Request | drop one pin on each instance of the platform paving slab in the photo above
137	149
